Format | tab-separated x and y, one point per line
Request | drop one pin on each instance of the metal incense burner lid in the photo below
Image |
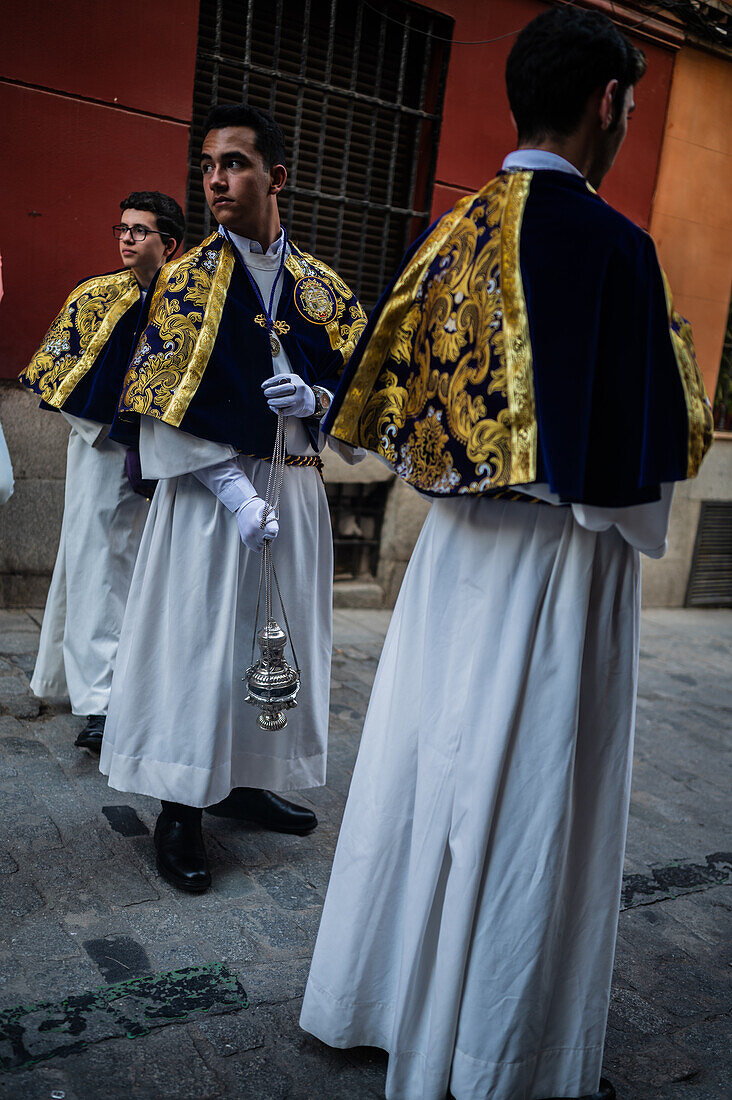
273	685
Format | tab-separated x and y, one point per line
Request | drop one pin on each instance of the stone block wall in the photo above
30	522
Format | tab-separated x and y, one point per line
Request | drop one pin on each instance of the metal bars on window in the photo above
359	93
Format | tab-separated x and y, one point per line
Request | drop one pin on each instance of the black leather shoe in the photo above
605	1092
181	855
267	809
91	736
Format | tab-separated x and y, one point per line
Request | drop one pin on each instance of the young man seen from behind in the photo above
526	369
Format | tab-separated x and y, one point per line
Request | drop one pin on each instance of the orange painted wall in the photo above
692	211
477	131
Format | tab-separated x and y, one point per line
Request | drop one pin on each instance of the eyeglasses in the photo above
137	232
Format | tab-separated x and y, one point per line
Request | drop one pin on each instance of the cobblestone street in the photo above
84	910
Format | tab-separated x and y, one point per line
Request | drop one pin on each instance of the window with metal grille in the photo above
356	512
710	579
358	92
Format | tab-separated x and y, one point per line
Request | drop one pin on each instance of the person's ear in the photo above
513	121
277	178
607	108
171	246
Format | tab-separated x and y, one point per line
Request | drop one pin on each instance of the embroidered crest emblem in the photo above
315	300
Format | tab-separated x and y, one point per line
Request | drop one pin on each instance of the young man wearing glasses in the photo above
79	369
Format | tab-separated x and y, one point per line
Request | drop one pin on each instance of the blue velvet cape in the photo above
81	364
201	360
529	336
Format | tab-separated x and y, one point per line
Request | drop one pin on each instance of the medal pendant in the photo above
274	344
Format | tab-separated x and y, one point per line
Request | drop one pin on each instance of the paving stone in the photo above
268	985
236	840
172	955
39	1082
8	866
233	1034
42	935
258	1074
17	621
20	898
668	1028
17	699
288	890
227	937
275	928
13	642
79	885
650	1068
56	979
165	1066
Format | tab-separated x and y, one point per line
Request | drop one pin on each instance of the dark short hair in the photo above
558	60
168	214
269	139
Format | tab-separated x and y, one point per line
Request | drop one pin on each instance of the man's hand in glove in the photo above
289	394
249	518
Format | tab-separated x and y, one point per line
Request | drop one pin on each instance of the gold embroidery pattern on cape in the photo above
517	342
75	339
698	407
349	320
162	381
461	394
393	336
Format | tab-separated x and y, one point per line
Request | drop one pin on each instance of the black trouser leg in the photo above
179	843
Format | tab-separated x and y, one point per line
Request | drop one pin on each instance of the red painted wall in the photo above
96	102
477	131
140	54
87	117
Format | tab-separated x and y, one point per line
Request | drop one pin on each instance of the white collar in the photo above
244	244
537	160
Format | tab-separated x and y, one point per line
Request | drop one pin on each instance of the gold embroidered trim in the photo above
698	409
343	331
201	353
517	340
401	300
294	266
110	295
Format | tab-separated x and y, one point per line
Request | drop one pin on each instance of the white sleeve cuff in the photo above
228	483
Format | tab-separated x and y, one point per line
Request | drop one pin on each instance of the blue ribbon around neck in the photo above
267	310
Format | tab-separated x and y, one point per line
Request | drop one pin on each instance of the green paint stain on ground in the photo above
29	1034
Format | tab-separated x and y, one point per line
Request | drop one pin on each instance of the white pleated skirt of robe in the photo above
100	535
470	920
178	726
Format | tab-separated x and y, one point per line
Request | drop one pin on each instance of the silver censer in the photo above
272	683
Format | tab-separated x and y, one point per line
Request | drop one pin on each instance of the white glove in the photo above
249	518
289	394
236	492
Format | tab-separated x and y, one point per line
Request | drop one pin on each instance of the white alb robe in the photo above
101	531
470	920
469	926
6	470
178	726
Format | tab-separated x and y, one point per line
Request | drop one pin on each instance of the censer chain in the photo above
267	571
